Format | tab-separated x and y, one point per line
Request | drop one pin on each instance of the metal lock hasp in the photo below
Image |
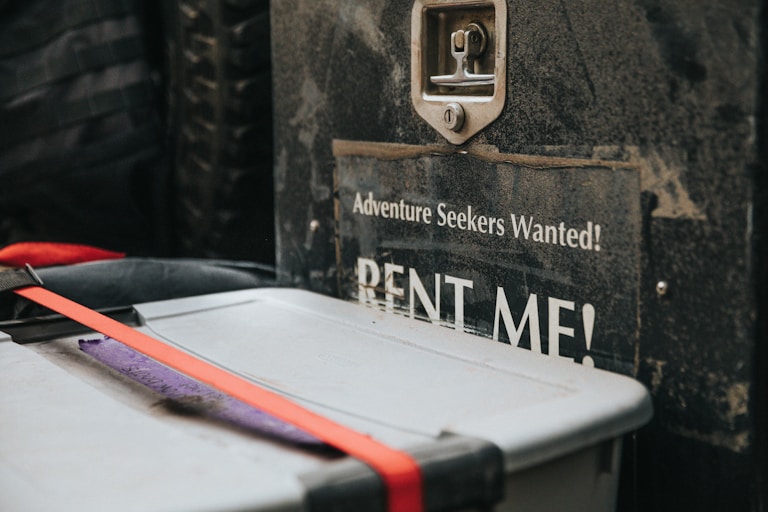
458	64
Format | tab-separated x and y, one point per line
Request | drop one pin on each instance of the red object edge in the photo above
400	472
45	254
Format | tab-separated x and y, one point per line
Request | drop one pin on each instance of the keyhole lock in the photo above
458	64
454	116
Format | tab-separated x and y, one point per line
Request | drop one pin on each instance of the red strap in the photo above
399	471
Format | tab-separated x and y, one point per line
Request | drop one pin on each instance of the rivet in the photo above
662	288
314	225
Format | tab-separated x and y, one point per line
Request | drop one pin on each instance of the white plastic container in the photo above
483	419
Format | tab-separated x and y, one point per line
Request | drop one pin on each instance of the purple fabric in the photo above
190	395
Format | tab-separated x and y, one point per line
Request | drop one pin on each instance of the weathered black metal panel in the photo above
676	91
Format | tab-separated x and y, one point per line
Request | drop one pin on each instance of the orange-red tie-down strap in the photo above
398	470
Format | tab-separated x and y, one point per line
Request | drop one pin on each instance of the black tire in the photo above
220	128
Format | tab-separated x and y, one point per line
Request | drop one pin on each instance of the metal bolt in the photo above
453	116
662	288
314	225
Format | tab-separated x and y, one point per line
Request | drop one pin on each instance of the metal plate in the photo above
540	253
473	89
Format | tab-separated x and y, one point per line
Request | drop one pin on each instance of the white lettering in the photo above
358	206
370	291
585	237
417	288
573	238
521	227
390	290
530	315
458	298
467	220
550	234
366	288
401	210
555	329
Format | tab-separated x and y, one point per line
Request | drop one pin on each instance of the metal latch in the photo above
466	47
458	64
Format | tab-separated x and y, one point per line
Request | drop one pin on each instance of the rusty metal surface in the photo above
676	89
